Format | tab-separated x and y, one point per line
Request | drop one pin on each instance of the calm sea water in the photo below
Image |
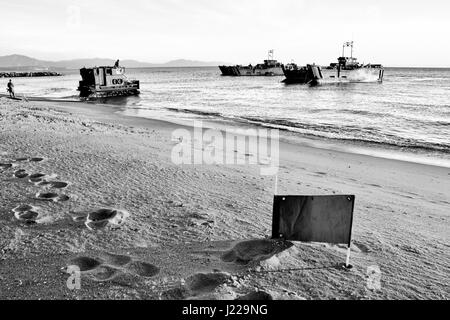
407	116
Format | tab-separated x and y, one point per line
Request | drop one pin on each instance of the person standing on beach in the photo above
10	88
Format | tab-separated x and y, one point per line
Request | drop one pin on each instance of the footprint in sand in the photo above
197	285
255	250
32	159
256	295
20	174
53	184
142	269
360	247
51	196
26	213
6	166
102	218
85	263
108	266
206	282
36	177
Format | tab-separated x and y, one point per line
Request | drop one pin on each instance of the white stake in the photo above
347	261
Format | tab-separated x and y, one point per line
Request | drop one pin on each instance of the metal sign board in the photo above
326	218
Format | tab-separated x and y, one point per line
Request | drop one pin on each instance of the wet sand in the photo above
82	185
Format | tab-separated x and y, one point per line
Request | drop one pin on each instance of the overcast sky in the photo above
392	32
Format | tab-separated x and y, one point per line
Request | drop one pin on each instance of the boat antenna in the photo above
351	49
348	44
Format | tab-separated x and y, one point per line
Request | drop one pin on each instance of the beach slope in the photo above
84	186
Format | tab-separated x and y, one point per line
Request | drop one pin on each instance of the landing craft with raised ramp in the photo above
347	69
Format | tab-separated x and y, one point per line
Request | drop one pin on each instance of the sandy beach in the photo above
83	185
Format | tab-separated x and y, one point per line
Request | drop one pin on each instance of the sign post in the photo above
327	218
347	260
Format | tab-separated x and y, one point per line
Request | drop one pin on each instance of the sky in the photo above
391	32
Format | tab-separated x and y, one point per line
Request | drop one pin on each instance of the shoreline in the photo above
381	150
183	218
292	139
289	137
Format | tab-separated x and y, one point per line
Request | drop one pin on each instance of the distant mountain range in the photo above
22	62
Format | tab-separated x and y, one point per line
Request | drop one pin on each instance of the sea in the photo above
405	117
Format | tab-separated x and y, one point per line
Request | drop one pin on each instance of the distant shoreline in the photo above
29	74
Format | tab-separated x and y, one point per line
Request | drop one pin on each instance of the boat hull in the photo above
356	75
237	71
93	92
310	74
317	75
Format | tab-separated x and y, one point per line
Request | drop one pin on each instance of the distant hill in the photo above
17	61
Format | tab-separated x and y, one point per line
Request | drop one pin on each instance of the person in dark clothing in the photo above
116	65
10	88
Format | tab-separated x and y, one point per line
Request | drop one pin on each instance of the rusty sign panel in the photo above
313	218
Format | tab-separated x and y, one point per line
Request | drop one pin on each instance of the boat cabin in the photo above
348	63
271	63
106	81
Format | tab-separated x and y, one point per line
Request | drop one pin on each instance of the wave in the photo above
416	105
348	133
351	134
442	123
56	89
197	112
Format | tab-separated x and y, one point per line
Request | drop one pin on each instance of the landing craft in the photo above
106	81
270	67
347	69
309	74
